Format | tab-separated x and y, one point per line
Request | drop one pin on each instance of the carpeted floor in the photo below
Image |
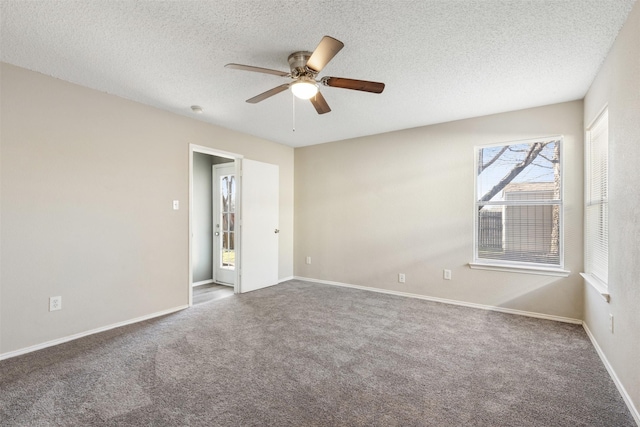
302	354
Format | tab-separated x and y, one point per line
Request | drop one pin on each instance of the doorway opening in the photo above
245	231
213	249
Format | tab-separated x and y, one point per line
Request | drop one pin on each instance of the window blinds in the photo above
597	203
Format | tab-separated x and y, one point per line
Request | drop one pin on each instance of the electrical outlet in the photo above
447	275
55	303
308	260
610	322
401	278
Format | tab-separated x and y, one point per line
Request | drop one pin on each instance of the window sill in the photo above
544	271
598	285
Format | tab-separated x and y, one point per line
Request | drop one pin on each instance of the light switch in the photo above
176	205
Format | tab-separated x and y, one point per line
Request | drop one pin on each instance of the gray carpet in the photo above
302	354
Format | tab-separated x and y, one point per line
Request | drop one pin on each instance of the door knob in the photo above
276	231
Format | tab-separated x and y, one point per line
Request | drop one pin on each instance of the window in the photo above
518	208
227	225
596	221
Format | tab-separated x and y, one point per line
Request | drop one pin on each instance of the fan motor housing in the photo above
298	64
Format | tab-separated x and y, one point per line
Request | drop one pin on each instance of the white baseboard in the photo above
202	282
51	343
625	396
285	279
449	301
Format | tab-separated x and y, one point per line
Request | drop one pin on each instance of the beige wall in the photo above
618	85
367	209
87	184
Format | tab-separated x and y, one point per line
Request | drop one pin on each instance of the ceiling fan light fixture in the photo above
304	89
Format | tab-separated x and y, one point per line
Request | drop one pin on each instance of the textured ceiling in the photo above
441	60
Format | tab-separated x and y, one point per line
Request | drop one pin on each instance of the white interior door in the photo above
224	223
259	226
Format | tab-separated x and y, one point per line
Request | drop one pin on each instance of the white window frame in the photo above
599	283
514	266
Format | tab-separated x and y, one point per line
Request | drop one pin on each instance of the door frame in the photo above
237	158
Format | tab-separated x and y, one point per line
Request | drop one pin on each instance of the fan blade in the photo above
326	50
257	69
267	94
319	102
363	85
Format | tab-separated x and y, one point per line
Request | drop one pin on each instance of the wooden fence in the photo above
490	231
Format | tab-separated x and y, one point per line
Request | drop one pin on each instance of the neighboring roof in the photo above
528	186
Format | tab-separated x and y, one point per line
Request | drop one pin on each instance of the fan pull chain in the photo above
293	100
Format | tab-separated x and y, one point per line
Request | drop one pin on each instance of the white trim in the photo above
544	271
202	282
51	343
539	202
214	152
519	141
449	301
598	285
597	116
285	279
625	396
